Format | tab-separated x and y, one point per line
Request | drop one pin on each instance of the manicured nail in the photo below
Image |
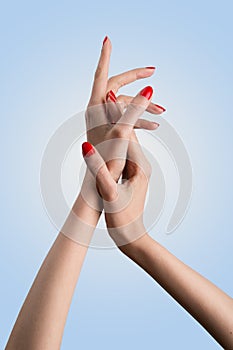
163	109
111	96
147	92
156	125
150	67
105	39
87	149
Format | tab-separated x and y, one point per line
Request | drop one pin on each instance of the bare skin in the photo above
208	304
41	321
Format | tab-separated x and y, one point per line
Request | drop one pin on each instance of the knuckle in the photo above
107	189
120	131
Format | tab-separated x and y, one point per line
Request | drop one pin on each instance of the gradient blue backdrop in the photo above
49	51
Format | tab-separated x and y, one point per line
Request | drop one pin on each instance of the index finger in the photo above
101	74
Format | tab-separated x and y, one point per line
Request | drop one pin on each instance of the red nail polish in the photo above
164	109
150	67
87	149
147	92
105	39
111	96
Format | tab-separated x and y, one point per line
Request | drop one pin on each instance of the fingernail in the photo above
164	109
105	39
150	67
111	96
87	149
147	92
157	125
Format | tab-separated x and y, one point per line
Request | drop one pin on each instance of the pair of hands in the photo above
113	150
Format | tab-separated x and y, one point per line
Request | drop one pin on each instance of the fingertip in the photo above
152	126
155	125
147	92
160	107
87	149
105	39
106	43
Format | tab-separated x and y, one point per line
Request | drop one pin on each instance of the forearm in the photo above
210	306
41	321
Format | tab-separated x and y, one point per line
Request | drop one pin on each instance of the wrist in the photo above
127	234
137	247
85	212
81	222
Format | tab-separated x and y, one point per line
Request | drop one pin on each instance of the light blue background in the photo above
48	54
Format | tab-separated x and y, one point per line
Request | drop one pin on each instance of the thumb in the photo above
104	181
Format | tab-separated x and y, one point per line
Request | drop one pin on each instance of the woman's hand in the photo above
109	117
110	121
41	321
123	203
105	88
209	305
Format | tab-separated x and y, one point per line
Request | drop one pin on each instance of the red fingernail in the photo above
147	92
105	39
87	149
164	109
111	96
150	67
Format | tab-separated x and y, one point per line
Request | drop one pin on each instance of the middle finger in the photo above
117	81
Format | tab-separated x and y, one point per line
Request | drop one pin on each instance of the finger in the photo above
117	81
95	163
146	124
134	110
114	110
101	74
152	108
